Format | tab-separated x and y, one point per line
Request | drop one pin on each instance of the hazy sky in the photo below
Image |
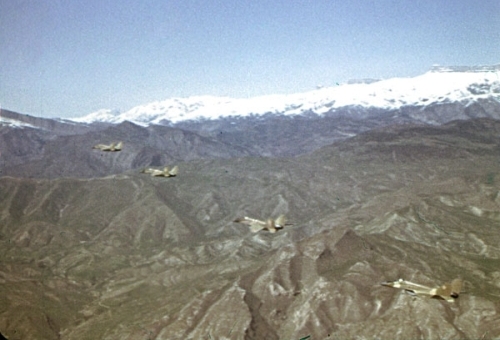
68	58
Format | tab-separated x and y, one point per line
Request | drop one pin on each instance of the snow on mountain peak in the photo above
441	84
15	123
103	115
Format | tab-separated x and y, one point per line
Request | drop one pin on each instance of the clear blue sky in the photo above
68	58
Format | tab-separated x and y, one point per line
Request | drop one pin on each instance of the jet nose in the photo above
392	283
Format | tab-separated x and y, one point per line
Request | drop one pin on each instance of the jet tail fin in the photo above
174	171
456	288
118	146
280	221
449	291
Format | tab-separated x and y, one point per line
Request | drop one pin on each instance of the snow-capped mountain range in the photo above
440	85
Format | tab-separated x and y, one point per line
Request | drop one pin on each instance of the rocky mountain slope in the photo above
128	256
38	152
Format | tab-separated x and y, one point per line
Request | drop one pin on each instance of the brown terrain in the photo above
129	256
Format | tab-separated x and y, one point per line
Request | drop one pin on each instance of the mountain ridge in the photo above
441	85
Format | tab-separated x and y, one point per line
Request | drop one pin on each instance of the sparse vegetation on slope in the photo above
137	257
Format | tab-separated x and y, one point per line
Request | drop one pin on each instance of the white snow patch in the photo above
15	123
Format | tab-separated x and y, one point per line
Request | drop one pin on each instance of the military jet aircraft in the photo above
269	224
162	173
448	291
113	147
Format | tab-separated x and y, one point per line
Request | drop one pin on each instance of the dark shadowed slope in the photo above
26	154
130	256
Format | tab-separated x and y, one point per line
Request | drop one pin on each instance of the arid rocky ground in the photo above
128	256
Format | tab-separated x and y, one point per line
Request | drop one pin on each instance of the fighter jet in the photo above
269	224
448	291
161	173
113	147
